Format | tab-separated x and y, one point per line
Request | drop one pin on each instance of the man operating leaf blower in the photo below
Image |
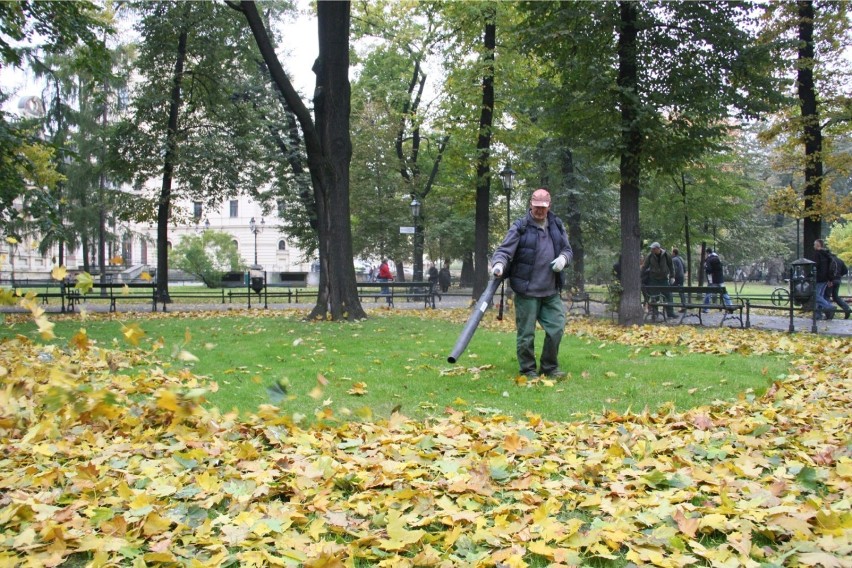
536	250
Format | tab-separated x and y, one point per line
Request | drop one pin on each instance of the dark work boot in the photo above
829	314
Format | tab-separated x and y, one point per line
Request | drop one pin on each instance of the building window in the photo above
196	210
282	207
235	209
282	245
236	244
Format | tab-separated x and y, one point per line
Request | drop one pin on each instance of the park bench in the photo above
115	291
390	291
693	305
578	302
44	289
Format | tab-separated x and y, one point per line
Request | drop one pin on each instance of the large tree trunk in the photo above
573	219
811	131
483	155
630	310
329	151
164	204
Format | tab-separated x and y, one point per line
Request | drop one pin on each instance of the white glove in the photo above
497	269
558	263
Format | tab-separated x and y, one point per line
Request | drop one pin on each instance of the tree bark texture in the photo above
811	131
483	155
630	310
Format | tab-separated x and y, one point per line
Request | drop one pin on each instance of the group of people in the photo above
662	269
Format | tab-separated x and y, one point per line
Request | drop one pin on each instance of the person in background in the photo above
385	276
537	248
679	273
824	280
715	277
832	294
444	277
433	279
658	263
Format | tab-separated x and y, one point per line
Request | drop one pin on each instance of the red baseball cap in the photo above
540	198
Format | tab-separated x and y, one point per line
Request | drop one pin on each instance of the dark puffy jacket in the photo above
524	259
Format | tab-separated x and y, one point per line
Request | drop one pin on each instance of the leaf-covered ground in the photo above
123	467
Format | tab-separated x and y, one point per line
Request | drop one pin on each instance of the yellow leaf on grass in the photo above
185	355
358	389
400	537
167	400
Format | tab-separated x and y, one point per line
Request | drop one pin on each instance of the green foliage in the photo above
59	27
207	256
840	239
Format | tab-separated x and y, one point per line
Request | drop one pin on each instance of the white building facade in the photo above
265	246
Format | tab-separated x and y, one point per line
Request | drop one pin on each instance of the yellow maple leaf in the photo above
84	282
358	389
400	537
45	328
59	273
117	259
132	333
145	277
167	400
80	340
12	240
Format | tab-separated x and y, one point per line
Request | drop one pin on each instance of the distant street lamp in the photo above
507	177
417	271
256	228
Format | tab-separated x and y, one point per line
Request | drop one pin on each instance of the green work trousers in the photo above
550	313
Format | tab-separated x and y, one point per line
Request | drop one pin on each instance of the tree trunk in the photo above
811	131
573	219
686	236
630	309
466	276
164	205
329	151
483	154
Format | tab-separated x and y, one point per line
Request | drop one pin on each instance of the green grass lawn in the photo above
365	370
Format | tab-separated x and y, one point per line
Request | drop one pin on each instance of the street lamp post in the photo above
256	228
507	177
417	270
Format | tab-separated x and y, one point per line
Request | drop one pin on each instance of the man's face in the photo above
817	245
539	213
656	250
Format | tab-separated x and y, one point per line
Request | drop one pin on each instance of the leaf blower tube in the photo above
474	319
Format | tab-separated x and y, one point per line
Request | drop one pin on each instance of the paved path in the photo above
775	322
